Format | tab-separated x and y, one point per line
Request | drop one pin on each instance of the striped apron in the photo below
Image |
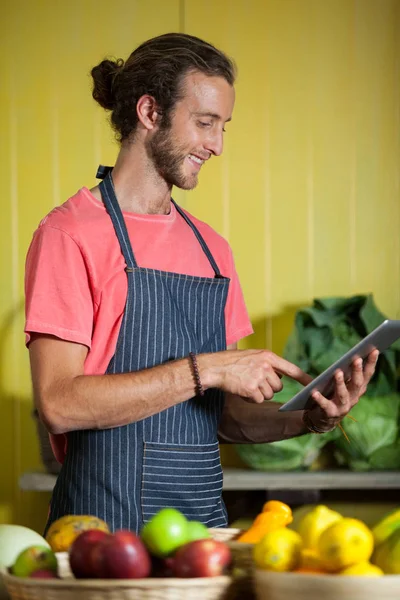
126	474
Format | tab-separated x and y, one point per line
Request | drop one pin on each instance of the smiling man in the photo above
134	310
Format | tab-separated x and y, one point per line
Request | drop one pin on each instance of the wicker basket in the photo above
242	561
206	588
224	534
171	588
242	554
312	586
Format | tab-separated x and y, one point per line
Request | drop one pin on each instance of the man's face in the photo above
196	130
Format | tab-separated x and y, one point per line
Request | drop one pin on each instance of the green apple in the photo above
14	539
34	558
197	531
165	532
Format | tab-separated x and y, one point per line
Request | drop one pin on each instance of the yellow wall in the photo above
307	190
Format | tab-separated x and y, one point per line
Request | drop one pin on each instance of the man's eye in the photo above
204	124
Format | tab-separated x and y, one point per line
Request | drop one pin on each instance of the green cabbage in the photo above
288	455
322	333
373	439
326	330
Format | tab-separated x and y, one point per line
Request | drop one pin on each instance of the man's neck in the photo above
138	186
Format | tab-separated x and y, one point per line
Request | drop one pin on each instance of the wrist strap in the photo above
196	374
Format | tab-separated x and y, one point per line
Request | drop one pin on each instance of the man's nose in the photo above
215	144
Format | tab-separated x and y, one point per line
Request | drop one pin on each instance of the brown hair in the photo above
157	68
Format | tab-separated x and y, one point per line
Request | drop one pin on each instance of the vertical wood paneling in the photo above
53	137
307	190
377	153
395	297
9	448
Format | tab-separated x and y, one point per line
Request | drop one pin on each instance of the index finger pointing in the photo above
284	367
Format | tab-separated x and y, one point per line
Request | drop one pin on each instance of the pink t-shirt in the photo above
75	281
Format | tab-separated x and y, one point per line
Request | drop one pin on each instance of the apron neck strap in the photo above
114	210
201	241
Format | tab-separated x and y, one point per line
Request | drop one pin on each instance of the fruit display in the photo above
323	546
169	545
324	542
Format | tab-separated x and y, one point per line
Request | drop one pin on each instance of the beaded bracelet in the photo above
196	374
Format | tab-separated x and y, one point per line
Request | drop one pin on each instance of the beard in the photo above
168	159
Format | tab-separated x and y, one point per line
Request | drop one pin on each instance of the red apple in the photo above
81	553
44	574
161	567
122	555
201	558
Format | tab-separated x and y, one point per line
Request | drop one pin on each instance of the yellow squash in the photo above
386	527
274	515
387	554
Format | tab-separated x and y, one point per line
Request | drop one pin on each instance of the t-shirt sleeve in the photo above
58	299
237	320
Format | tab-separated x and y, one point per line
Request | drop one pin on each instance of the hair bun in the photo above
103	82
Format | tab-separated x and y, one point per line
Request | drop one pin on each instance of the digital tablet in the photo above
380	338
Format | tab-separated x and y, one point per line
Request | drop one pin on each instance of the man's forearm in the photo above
113	400
246	423
69	400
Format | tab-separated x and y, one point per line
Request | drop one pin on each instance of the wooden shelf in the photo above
243	479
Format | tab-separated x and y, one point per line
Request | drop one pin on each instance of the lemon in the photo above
362	569
278	550
345	543
309	559
314	523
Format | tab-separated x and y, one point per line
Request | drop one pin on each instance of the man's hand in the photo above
328	413
252	374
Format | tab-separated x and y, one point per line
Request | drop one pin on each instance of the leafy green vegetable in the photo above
329	328
386	458
373	437
322	333
288	455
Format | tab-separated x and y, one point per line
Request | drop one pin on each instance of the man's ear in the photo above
147	111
